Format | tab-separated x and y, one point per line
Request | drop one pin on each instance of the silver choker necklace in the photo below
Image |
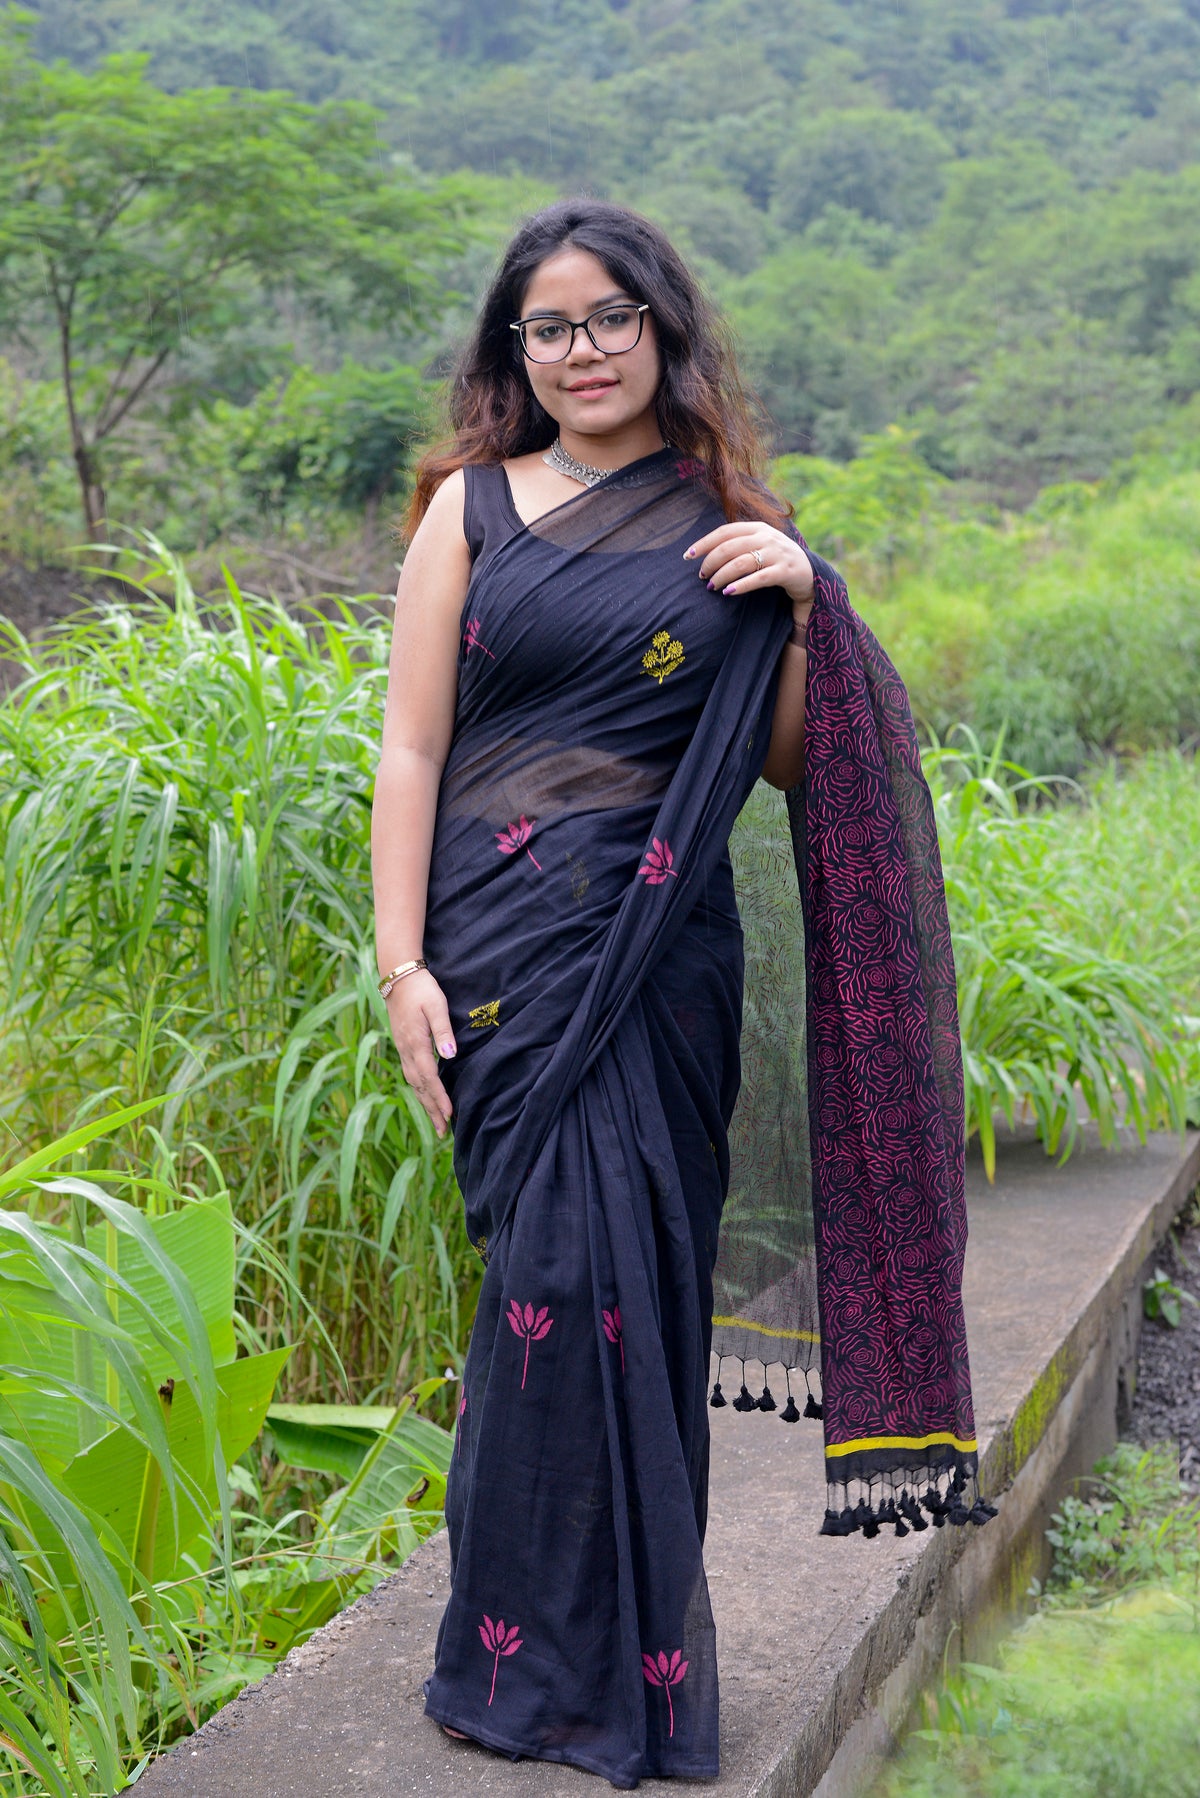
583	472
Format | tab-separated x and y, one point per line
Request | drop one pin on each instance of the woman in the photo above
599	648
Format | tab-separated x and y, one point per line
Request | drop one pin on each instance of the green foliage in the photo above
186	909
1134	1526
983	227
1073	627
139	1594
1100	1690
1054	1023
1162	1299
202	204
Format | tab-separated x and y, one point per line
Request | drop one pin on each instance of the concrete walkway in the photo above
823	1642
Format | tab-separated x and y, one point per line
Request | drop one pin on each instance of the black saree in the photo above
612	720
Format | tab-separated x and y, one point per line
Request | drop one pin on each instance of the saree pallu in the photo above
583	921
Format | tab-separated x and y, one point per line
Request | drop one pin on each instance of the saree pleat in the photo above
583	921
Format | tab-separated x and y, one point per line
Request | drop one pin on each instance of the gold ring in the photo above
758	560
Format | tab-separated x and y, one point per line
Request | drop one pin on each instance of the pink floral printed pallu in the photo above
612	719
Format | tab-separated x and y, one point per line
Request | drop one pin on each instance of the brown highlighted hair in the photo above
703	409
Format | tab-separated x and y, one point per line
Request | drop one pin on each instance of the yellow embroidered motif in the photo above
481	1016
481	1248
663	657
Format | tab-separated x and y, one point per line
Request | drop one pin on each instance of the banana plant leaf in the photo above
39	1328
118	1486
115	1479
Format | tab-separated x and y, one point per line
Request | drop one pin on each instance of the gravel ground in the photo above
1167	1400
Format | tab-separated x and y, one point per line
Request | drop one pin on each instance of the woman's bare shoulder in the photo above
444	516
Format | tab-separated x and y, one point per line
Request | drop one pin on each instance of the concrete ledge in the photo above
823	1643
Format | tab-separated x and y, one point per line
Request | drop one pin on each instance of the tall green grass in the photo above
185	909
1065	1016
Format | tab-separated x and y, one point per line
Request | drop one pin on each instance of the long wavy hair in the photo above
703	409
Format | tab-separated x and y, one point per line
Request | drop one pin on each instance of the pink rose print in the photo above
666	1673
612	1329
658	864
517	836
689	469
532	1325
471	639
498	1640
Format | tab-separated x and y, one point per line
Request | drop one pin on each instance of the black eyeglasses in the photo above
613	330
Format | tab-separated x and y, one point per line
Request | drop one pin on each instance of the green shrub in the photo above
1099	1692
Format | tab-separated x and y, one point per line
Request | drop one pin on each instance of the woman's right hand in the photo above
420	1020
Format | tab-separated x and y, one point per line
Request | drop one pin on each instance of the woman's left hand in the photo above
730	564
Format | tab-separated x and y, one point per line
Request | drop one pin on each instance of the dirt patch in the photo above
1166	1404
35	598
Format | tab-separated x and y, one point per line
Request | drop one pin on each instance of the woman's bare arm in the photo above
417	728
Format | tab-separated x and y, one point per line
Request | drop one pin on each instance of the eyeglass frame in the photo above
583	324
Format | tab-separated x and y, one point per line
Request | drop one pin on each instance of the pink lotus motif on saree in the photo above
665	1673
612	1329
515	837
471	639
498	1641
658	865
532	1325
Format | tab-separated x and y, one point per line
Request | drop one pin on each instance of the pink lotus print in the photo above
517	836
689	469
532	1325
498	1640
612	1329
471	639
666	1673
658	865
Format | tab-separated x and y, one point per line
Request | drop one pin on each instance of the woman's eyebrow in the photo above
549	312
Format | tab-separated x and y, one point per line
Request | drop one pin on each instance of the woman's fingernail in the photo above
732	588
712	586
446	1050
688	554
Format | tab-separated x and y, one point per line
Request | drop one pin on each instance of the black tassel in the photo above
862	1514
912	1511
812	1408
789	1414
981	1512
871	1527
901	1527
832	1525
766	1402
744	1402
718	1397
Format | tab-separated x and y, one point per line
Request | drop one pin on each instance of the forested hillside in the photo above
977	216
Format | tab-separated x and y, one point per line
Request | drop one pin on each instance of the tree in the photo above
138	224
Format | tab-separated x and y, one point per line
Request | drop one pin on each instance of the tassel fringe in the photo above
909	1499
950	1495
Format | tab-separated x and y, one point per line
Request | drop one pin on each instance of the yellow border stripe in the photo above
748	1323
852	1448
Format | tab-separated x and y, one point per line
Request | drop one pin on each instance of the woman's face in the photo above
590	393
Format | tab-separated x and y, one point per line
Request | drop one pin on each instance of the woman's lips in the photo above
592	387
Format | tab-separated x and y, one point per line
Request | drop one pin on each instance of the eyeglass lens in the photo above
614	330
